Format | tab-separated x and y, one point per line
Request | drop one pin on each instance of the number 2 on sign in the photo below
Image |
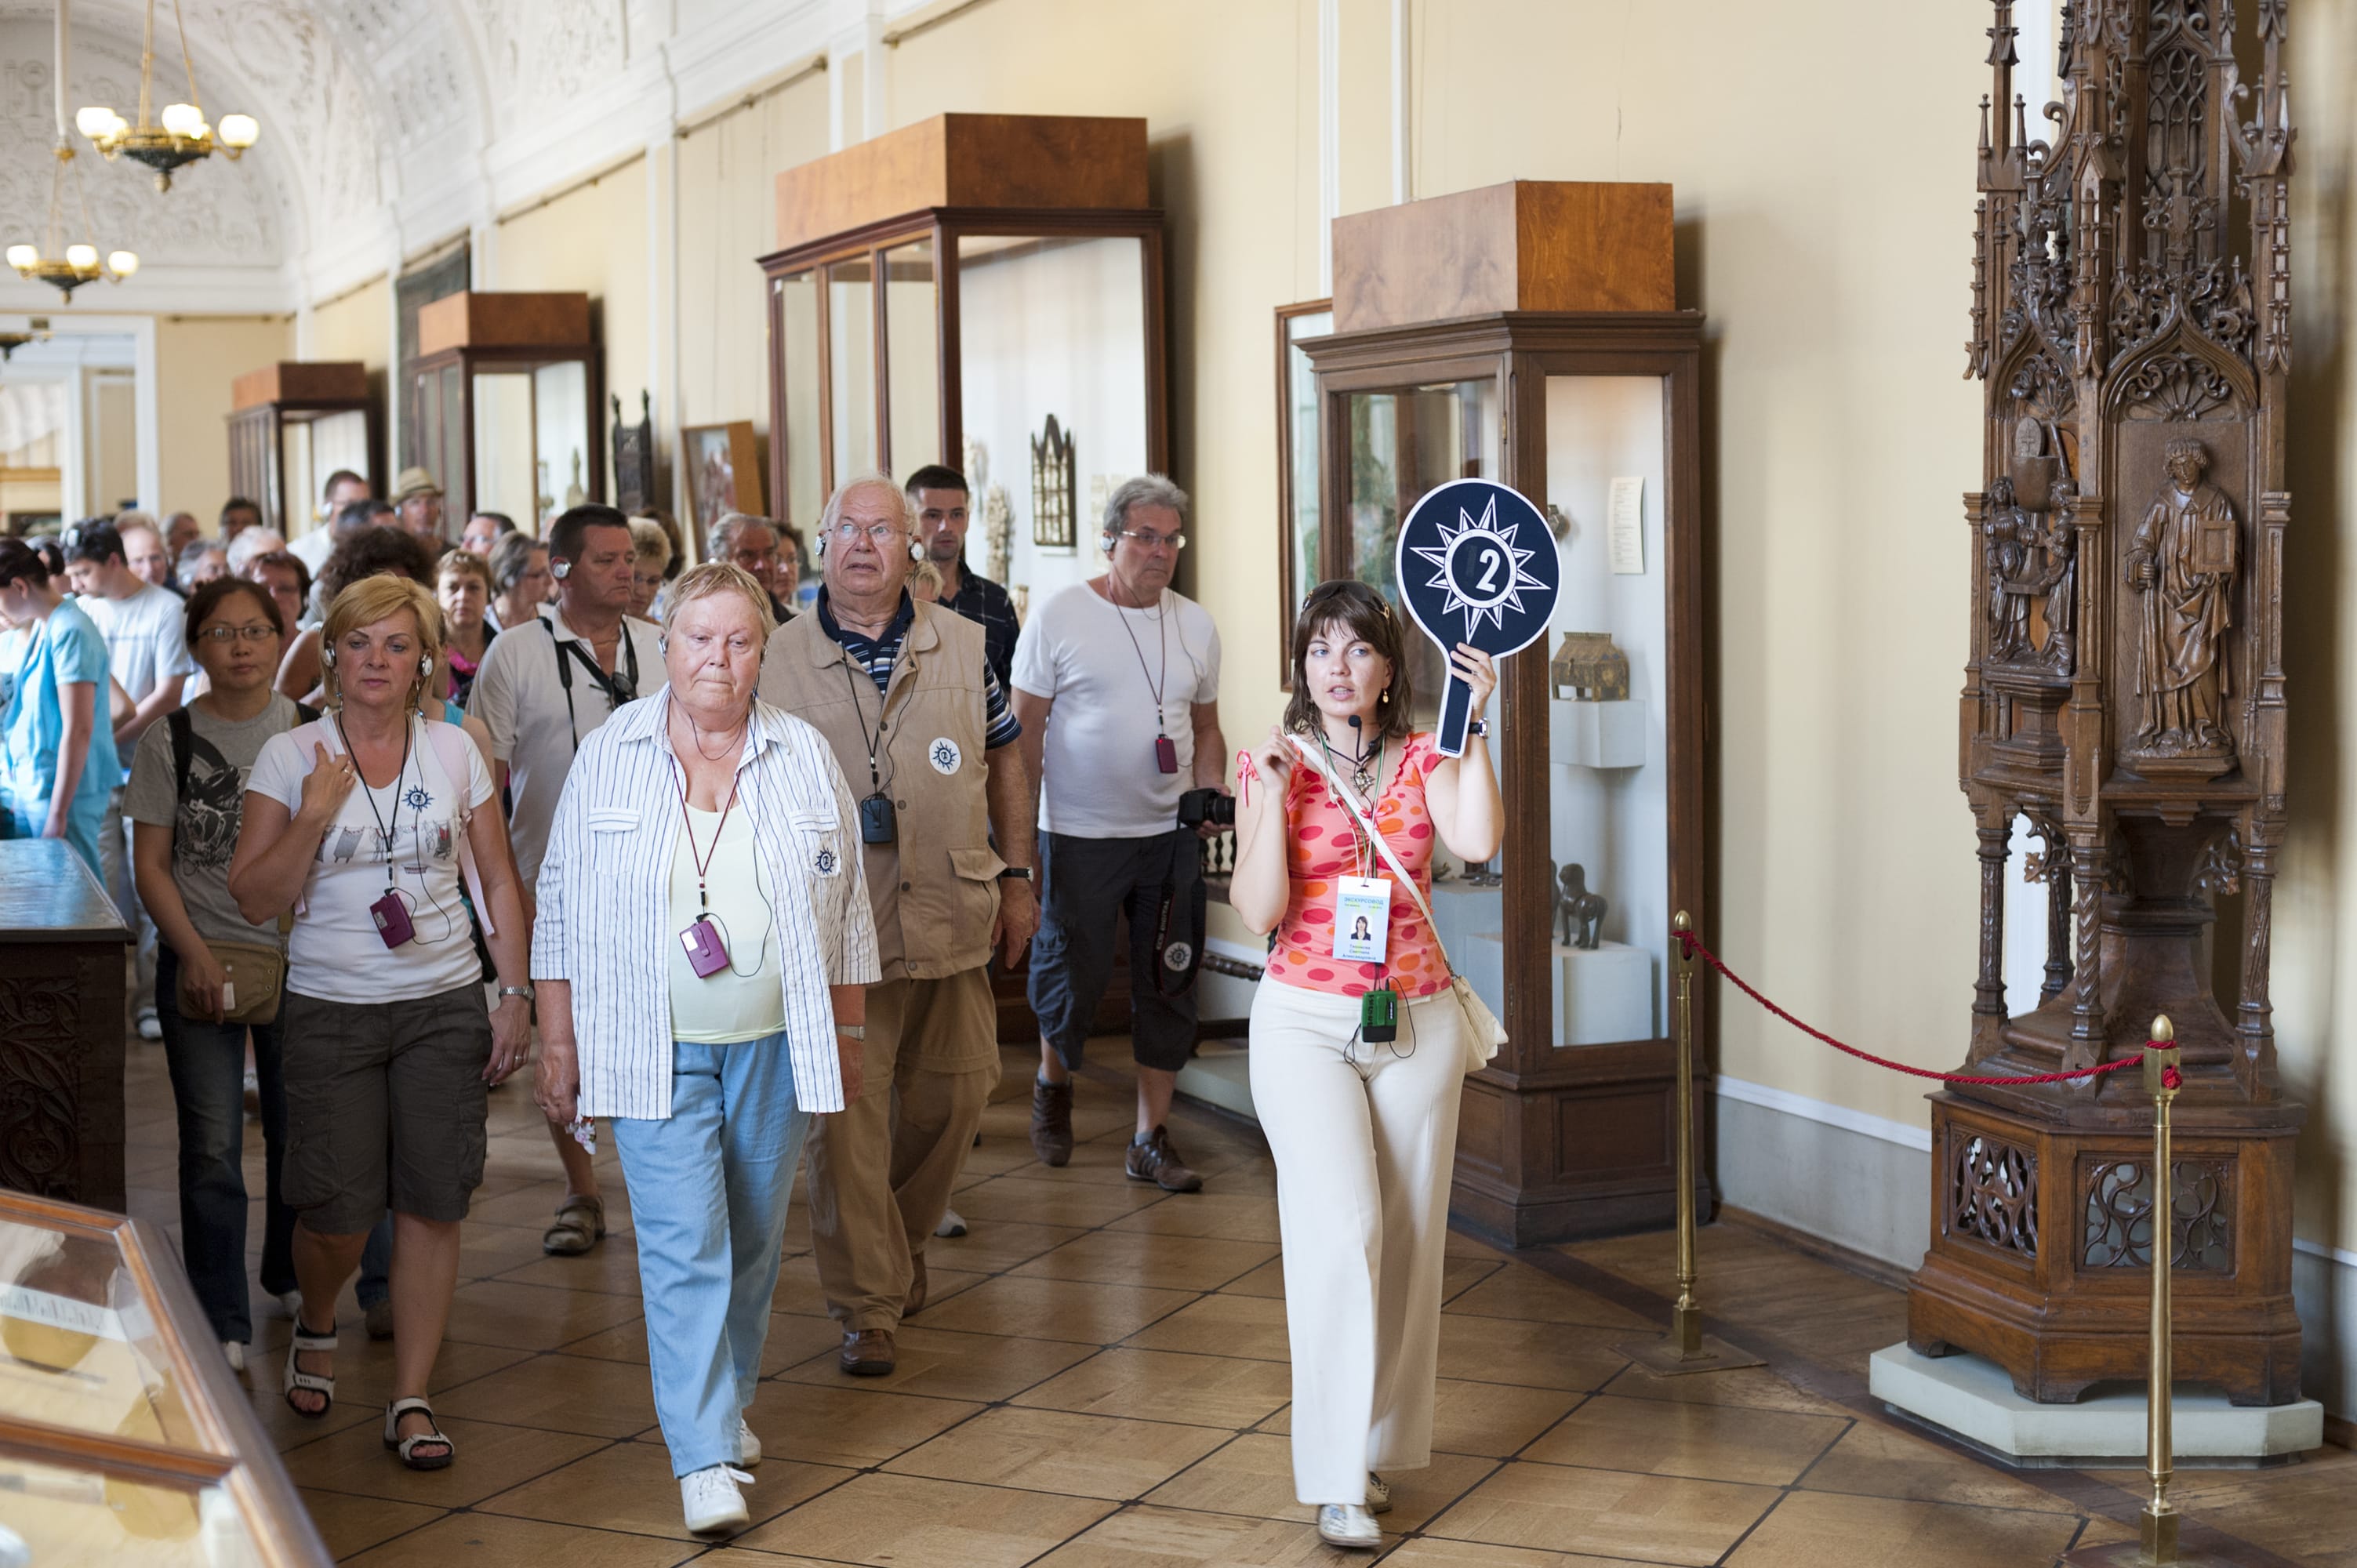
1490	577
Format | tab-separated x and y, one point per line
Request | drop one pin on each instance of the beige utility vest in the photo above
935	890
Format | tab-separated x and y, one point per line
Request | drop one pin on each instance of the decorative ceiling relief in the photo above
572	45
213	216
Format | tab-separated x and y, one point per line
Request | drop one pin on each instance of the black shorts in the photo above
1084	882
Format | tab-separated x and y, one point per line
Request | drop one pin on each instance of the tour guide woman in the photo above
387	1046
702	947
1364	1133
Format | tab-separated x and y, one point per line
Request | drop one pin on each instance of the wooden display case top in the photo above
1065	162
473	320
1525	245
301	380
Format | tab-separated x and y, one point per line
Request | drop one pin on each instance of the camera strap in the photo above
617	692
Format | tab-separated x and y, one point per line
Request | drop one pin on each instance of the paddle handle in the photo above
1456	714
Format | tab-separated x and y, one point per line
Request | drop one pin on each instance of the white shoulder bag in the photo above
1483	1033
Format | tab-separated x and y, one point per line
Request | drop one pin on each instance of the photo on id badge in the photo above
1363	912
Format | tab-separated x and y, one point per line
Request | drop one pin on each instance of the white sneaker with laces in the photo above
1379	1494
749	1447
1346	1524
710	1500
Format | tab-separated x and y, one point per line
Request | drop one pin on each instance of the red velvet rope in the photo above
1695	949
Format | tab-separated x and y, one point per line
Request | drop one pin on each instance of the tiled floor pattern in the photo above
1100	1382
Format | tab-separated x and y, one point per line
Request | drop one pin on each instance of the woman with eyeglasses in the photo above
363	825
186	800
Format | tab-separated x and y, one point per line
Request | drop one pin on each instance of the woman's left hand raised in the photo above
1477	670
510	1039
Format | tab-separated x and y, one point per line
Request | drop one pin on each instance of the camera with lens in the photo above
1197	807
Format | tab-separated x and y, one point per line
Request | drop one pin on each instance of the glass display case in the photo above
293	423
124	1437
1597	732
508	388
1297	463
980	291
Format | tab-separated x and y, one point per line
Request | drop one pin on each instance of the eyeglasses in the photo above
1147	539
254	633
876	533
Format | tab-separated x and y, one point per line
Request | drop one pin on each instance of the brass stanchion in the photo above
1686	1348
2156	1546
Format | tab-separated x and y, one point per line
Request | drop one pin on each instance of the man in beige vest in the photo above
904	693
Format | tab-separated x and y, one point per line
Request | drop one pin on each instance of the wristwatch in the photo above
1478	726
852	1031
508	991
1019	873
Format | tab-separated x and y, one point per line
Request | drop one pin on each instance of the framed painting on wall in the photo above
724	471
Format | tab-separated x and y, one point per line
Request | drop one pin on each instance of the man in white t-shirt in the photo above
543	685
146	635
313	546
1130	671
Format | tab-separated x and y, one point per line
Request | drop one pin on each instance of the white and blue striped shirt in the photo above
605	901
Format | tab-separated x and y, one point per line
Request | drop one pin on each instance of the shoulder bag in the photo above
256	972
1483	1033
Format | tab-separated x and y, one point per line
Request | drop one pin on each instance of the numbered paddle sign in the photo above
1476	563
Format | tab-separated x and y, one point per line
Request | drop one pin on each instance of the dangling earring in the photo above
1387	698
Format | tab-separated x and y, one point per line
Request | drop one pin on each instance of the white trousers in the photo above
1365	1138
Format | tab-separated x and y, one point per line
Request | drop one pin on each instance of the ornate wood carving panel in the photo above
2116	1210
1992	1192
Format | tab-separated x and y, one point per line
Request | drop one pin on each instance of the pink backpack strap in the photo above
450	745
318	732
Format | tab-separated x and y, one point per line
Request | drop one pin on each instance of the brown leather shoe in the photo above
1052	1121
1156	1160
916	1302
867	1352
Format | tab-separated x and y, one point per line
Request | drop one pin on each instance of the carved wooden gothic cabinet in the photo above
2131	329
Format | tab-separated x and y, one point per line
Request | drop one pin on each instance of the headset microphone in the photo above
1354	721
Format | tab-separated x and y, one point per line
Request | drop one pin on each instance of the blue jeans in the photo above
207	1061
708	1191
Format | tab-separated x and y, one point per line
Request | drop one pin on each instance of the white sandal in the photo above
297	1380
406	1446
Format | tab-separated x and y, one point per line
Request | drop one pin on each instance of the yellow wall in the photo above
355	325
592	239
197	357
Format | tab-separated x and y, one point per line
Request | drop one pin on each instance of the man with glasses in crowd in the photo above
904	695
1117	687
148	654
938	502
545	683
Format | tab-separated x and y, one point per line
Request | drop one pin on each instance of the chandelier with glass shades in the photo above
181	136
66	267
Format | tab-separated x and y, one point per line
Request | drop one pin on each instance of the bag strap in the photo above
183	730
1366	825
450	745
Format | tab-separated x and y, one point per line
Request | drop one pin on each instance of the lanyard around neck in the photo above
688	824
384	831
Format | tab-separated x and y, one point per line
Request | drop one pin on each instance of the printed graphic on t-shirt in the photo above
417	839
205	835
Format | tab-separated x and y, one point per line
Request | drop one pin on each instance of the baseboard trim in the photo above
1849	1259
2339	1433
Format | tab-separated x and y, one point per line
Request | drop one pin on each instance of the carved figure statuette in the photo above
1580	912
2182	563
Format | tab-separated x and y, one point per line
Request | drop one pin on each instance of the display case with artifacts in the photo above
510	393
2124	697
952	287
123	1435
1573	337
293	423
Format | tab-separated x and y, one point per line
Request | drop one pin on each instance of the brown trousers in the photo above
881	1171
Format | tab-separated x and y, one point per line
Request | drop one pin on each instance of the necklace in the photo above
727	745
1366	766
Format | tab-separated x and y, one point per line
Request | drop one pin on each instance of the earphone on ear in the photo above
560	568
916	549
328	661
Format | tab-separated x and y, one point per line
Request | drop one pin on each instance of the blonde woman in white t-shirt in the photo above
362	824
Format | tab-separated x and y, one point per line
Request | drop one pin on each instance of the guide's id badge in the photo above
1362	920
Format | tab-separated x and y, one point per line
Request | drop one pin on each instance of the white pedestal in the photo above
1604	994
1482	961
1460	914
1973	1399
1597	735
1221	1074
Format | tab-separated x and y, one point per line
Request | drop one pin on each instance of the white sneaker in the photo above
150	1027
233	1352
952	1224
749	1447
710	1500
1379	1494
1344	1524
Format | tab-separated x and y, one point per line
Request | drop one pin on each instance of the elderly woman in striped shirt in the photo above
702	947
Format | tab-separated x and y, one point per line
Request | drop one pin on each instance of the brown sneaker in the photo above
867	1352
1156	1160
916	1301
1052	1121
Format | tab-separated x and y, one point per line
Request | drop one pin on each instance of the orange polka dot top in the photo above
1322	845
